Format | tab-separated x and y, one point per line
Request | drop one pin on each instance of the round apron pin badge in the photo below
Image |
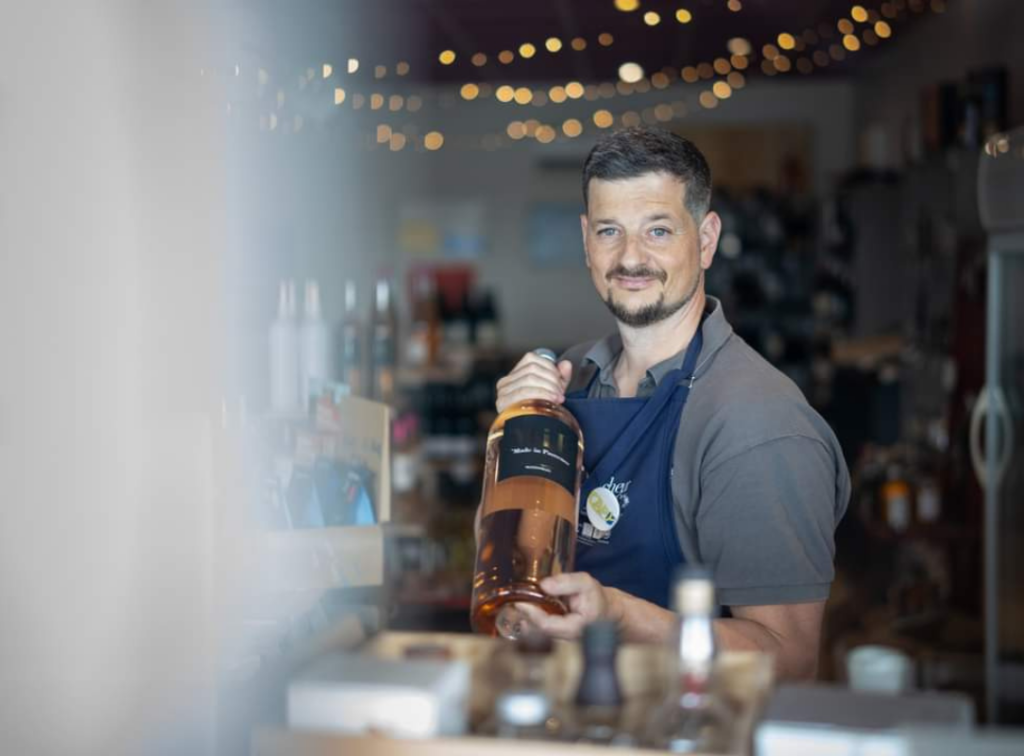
603	509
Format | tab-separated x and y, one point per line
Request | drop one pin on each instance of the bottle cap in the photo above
547	354
693	592
523	708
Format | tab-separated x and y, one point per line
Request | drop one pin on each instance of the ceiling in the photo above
490	26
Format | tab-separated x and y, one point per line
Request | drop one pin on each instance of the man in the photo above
697	449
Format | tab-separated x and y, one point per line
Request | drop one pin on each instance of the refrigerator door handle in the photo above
977	456
1001	410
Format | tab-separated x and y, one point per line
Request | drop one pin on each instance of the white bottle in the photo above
284	353
314	346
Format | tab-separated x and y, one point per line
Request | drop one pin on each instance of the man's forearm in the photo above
643	622
793	661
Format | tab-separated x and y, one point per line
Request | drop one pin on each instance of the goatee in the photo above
654	312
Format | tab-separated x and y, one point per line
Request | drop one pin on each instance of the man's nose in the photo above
633	254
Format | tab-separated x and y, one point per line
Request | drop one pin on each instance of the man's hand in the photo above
586	599
534	377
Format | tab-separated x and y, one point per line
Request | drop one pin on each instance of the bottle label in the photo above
540	446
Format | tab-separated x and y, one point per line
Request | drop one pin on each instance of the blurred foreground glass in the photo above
528	513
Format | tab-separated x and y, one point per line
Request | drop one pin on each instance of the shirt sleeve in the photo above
767	520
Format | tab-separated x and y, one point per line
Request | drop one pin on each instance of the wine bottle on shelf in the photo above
424	327
284	353
314	346
528	512
382	383
351	369
694	717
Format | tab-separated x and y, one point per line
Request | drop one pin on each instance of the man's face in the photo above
645	251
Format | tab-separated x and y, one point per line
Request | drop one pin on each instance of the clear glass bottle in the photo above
350	344
694	716
528	513
524	709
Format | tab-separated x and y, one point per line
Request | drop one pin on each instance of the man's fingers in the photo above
568	627
568	583
565	370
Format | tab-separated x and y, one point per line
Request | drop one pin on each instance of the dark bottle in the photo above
383	364
598	713
694	717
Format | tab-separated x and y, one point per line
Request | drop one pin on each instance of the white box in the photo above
350	693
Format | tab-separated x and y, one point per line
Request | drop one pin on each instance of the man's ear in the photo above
710	230
583	229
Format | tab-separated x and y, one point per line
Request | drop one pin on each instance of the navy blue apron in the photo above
628	446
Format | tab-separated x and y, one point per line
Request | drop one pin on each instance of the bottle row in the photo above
694	716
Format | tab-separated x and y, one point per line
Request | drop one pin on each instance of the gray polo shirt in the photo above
758	478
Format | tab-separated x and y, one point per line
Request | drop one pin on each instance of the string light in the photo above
579	44
684	16
434	140
631	73
627	6
553	44
651	18
505	57
603	119
479	59
728	68
739	46
605	39
572	128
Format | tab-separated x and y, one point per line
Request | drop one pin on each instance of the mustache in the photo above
641	272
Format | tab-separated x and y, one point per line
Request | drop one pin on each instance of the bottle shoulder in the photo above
536	407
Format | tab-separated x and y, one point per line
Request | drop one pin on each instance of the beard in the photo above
654	312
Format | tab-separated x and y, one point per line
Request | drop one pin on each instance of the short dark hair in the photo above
635	151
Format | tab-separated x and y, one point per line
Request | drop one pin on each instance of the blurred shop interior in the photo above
403	181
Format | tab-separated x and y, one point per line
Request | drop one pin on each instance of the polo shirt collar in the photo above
605	353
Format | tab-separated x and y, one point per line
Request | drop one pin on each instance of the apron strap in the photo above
680	378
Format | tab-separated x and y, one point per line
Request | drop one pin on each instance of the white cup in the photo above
879	669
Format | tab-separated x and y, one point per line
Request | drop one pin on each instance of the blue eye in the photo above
660	232
606	231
